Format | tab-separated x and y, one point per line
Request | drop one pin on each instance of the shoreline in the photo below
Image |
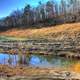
30	73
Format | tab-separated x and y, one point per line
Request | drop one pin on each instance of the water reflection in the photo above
50	61
38	60
5	57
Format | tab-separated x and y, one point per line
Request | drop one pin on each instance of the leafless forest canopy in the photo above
45	14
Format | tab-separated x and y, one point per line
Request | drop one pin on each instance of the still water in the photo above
42	61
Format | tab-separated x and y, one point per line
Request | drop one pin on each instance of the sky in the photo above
8	6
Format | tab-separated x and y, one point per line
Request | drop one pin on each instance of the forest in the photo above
45	14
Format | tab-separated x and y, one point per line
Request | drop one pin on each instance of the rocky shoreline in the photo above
30	73
55	76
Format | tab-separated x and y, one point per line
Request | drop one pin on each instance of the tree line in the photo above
45	14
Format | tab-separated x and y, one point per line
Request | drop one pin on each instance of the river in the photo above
42	61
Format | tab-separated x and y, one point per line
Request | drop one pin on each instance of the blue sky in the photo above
7	6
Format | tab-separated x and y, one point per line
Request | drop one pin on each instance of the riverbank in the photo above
64	38
59	32
30	73
26	71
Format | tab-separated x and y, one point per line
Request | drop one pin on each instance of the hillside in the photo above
65	31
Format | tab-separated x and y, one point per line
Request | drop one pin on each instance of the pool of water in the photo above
4	59
42	61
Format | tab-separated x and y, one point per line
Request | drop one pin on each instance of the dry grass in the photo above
26	71
75	68
57	32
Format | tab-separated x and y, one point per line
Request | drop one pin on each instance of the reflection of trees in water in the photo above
10	60
65	62
20	56
15	58
49	58
58	61
24	59
42	58
23	56
28	58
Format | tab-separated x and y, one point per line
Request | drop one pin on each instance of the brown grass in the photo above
57	32
75	68
26	71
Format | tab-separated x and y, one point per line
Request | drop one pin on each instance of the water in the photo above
51	61
5	57
39	61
